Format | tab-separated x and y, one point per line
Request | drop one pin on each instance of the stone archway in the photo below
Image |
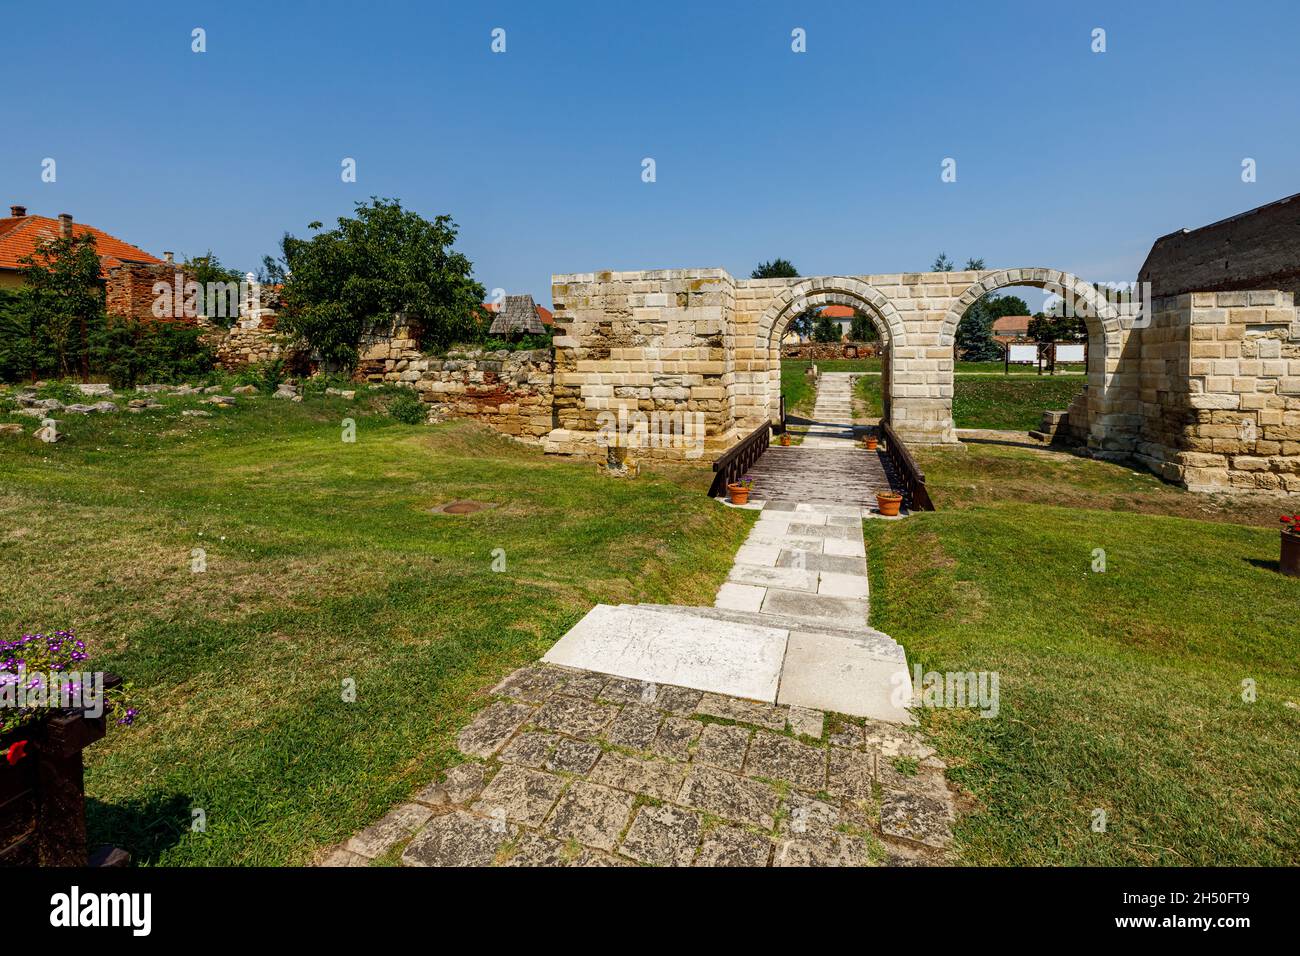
1101	317
819	291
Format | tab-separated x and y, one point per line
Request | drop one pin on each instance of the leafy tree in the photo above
59	304
776	269
208	272
974	265
862	329
1057	328
383	261
825	329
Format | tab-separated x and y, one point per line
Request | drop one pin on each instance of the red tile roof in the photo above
1011	324
19	236
837	312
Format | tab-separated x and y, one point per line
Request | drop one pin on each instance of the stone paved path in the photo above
832	413
567	767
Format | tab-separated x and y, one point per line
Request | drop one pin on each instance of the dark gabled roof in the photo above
517	314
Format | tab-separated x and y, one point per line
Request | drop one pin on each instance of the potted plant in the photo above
738	491
888	503
870	442
51	709
1290	561
785	439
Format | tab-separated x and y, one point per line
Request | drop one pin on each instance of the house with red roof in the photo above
21	234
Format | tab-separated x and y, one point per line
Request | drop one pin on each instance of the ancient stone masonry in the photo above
701	341
508	391
1220	394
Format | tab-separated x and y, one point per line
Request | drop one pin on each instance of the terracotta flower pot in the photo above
1290	562
888	502
785	439
738	494
871	443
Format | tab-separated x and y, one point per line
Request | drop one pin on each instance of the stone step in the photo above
876	643
676	646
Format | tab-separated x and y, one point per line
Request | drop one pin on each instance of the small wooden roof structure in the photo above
518	313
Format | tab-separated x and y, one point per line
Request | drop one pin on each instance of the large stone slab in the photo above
702	653
830	672
822	608
793	579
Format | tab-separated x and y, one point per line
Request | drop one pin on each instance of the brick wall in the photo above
129	291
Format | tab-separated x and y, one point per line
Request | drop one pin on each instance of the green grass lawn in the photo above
1121	690
1015	402
1011	403
324	564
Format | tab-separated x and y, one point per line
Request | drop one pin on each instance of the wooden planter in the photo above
42	796
1290	563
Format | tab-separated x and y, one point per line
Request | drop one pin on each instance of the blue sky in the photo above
830	158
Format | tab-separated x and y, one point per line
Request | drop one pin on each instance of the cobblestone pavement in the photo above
569	767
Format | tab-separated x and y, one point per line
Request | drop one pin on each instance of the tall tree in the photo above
60	304
825	329
382	261
862	329
941	263
210	274
776	269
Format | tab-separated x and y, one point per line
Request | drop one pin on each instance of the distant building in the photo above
1011	328
21	235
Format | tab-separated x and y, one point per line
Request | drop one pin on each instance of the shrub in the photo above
128	351
407	408
267	375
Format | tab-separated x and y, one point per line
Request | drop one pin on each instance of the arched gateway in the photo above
699	347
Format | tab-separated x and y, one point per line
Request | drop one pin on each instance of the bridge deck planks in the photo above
849	475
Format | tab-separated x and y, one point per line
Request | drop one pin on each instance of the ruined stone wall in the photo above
249	343
510	392
828	351
1244	391
644	344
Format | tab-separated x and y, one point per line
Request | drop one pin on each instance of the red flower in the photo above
16	752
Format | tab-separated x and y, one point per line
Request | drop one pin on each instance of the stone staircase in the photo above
789	626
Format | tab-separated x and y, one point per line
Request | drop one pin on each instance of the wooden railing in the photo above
915	495
733	464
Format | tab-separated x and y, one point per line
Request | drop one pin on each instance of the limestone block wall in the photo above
248	345
388	350
1243	430
508	391
653	344
701	340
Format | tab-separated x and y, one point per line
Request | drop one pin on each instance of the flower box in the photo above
42	791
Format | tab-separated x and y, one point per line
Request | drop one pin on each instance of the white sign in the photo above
1069	353
1022	354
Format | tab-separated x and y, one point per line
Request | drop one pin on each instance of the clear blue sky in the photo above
830	158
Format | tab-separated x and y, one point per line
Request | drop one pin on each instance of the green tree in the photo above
59	305
941	263
776	269
383	261
862	329
209	273
825	329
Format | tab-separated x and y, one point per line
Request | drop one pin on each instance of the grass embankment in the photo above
1120	691
324	564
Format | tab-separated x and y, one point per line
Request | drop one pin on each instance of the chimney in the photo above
167	256
65	225
18	211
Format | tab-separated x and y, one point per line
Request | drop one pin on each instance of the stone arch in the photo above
1101	316
818	291
830	290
